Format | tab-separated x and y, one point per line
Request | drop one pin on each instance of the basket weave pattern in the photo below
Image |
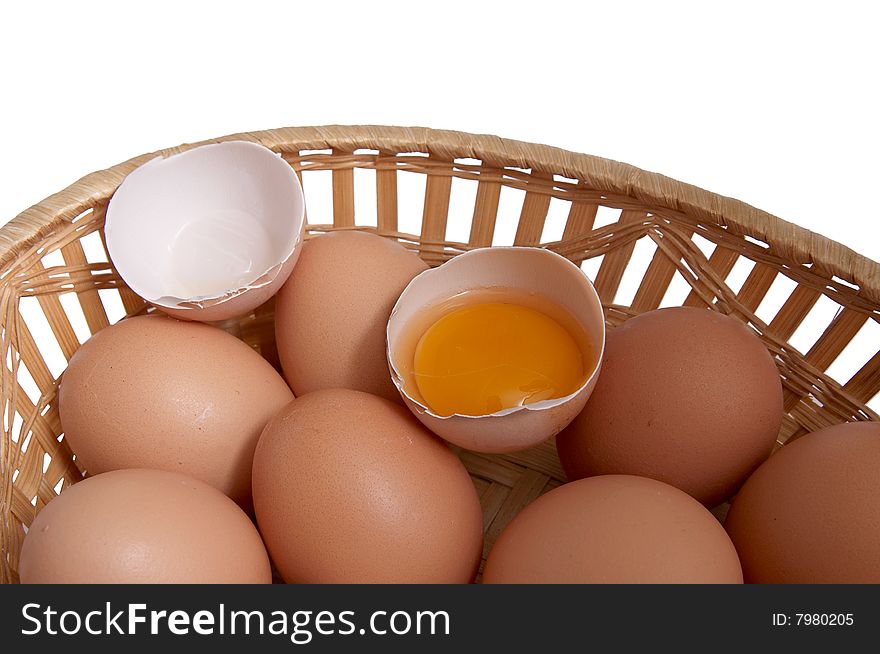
36	463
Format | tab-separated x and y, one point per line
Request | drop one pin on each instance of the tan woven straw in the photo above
35	464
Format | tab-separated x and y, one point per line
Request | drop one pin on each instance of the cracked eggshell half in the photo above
536	271
210	233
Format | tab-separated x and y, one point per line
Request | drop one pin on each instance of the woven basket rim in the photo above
787	239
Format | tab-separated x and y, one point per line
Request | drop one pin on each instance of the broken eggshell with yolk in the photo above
210	233
535	272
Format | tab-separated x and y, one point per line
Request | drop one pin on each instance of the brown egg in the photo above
351	488
154	392
614	529
687	396
143	527
332	313
811	513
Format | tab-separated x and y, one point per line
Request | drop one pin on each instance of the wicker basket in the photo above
695	235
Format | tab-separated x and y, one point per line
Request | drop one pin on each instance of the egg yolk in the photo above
487	357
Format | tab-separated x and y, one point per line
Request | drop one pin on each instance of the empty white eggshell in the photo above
534	270
210	233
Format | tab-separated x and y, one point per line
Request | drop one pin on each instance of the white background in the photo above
771	103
